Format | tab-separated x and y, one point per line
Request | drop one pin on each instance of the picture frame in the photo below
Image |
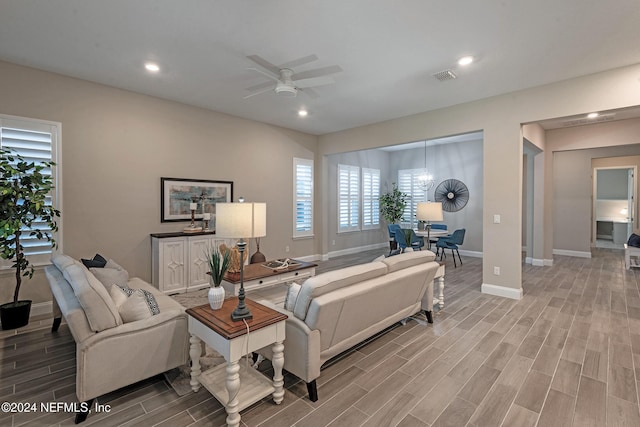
178	193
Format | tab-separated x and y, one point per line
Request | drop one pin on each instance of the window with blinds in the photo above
303	197
408	183
348	198
370	198
35	141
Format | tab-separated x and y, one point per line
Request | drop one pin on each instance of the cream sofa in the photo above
334	311
110	353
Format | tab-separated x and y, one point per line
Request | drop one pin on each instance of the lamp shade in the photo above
429	211
240	220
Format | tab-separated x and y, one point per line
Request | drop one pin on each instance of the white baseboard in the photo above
536	262
41	308
473	254
502	291
578	254
359	249
310	258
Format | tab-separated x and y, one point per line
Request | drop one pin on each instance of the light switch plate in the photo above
496	219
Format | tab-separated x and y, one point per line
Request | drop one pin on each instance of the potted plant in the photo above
24	187
218	266
392	204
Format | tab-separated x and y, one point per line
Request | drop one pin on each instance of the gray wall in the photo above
462	161
375	159
117	144
572	192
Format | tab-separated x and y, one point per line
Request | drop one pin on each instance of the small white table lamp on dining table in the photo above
429	211
241	220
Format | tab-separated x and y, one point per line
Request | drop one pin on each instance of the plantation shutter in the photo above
370	198
348	198
408	183
303	197
35	141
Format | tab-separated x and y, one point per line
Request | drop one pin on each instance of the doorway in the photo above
613	207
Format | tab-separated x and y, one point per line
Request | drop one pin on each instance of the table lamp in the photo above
241	220
429	211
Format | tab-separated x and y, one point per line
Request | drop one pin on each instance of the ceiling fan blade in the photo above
310	92
318	72
265	64
299	62
260	86
266	74
258	92
316	81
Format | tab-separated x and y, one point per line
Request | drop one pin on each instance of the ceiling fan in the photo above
288	82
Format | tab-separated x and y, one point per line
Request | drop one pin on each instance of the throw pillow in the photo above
634	240
111	276
134	304
96	302
119	294
98	261
292	296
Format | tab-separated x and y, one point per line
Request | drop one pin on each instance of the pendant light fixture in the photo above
425	179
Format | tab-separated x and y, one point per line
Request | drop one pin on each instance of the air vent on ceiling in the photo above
445	75
586	121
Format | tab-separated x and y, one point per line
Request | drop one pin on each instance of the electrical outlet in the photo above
496	271
286	248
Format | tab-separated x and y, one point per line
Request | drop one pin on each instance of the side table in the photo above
236	386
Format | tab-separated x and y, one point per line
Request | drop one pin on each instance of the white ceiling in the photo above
388	50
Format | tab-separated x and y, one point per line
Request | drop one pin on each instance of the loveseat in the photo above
332	312
110	352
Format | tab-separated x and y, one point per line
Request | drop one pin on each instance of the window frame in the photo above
353	173
416	195
55	130
370	202
307	163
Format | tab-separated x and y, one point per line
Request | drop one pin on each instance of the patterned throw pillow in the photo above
134	304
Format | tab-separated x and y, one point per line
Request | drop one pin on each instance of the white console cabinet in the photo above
179	261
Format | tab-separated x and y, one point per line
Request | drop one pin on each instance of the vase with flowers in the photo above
218	266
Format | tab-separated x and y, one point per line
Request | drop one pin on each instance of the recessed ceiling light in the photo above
150	66
592	115
303	113
465	60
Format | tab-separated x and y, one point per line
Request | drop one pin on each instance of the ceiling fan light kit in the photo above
288	83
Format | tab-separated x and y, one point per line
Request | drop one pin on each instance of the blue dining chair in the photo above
451	242
414	242
392	228
436	227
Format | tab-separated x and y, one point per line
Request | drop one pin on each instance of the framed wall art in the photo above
178	193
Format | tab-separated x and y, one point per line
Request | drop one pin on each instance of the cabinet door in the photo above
198	263
172	260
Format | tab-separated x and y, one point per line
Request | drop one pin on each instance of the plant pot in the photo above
216	297
15	315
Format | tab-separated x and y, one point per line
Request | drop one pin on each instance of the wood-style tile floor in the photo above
566	354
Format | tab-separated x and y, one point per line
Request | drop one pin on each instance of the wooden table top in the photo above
220	320
259	271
